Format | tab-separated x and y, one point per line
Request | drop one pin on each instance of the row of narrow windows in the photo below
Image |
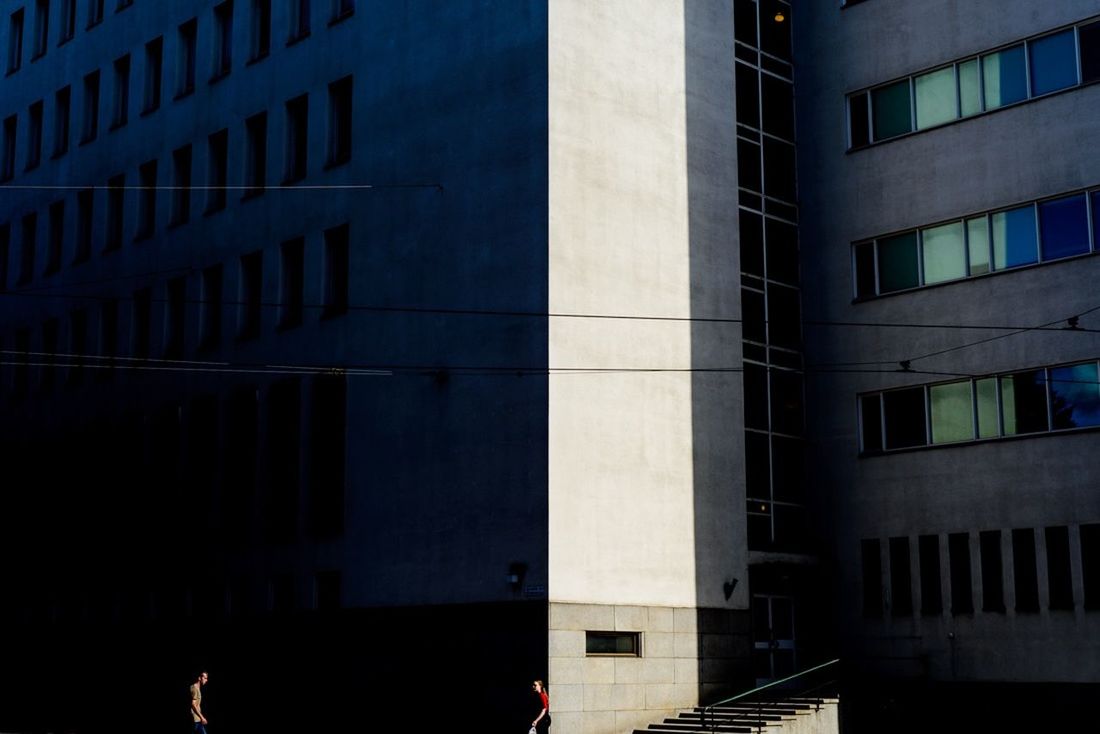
299	23
192	310
1008	568
151	188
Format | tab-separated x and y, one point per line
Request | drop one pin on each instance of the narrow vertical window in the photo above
85	200
297	138
872	578
251	300
20	383
147	200
340	124
223	39
41	27
116	200
108	336
15	41
181	185
901	578
291	283
336	271
1024	570
299	20
931	597
95	12
342	9
1090	560
78	344
5	253
122	91
1089	41
10	128
185	61
217	170
55	239
962	594
175	317
27	247
34	135
154	70
210	320
68	21
993	596
255	173
91	107
51	331
261	30
328	450
62	111
1059	578
142	321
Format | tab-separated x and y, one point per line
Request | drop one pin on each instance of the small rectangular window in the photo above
95	12
1024	402
905	423
872	578
68	21
1053	62
993	598
85	200
181	185
122	91
1064	227
297	138
175	317
952	412
15	41
1014	237
863	254
147	200
91	107
1074	396
622	644
185	63
336	271
62	106
340	124
142	321
935	97
261	30
34	135
931	603
27	248
748	165
251	300
1088	37
55	240
898	264
859	120
870	409
1059	575
291	283
1004	77
779	169
943	253
154	70
11	124
256	156
217	150
901	578
1090	563
958	551
299	20
1024	570
977	244
210	304
116	199
891	110
988	411
223	40
970	88
41	27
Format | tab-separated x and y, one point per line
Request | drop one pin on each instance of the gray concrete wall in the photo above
1014	155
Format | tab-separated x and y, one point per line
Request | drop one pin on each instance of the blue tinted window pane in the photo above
891	110
897	262
1064	227
1075	396
1024	402
1053	62
1005	77
1096	218
1014	237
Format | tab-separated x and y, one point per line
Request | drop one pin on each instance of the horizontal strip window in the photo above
1040	231
1038	66
614	644
1041	400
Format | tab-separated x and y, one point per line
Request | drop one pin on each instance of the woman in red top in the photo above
542	721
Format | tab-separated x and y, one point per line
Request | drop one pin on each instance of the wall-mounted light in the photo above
779	17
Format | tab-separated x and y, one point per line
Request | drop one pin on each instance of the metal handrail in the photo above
710	709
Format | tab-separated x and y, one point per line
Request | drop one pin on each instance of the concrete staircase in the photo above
775	716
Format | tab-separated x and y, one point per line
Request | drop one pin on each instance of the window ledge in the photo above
257	58
337	19
218	76
37	56
116	125
9	72
979	441
58	154
149	110
183	94
297	38
337	162
63	41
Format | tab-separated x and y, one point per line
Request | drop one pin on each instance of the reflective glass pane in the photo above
1075	396
944	253
1089	37
897	262
977	242
905	423
1005	77
865	269
871	419
788	468
786	403
891	110
970	89
987	407
857	117
935	94
952	412
1053	62
1095	219
1014	237
1024	402
1064	227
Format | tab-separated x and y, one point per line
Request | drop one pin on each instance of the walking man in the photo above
196	702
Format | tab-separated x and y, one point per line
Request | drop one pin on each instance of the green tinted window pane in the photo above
1005	77
977	241
891	110
1024	402
1075	396
970	89
944	253
952	412
897	262
935	95
987	408
1014	237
